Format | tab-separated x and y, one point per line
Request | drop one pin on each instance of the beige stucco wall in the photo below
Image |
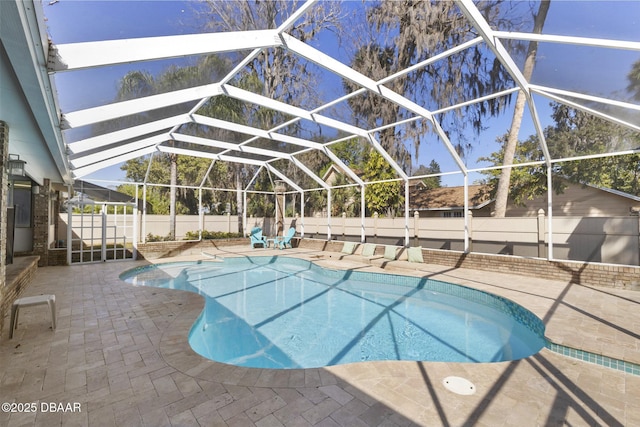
577	200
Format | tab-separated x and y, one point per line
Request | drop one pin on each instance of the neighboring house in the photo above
576	200
331	175
448	202
582	200
97	193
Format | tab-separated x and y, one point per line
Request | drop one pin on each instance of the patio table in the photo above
274	239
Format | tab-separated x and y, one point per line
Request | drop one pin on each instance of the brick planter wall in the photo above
4	185
594	274
591	274
155	250
18	277
57	256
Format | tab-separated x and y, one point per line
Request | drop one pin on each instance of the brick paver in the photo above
121	353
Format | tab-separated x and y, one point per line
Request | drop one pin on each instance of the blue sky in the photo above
589	70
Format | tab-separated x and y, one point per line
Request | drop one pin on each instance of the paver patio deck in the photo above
121	353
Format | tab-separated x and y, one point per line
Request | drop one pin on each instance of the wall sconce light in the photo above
16	166
35	189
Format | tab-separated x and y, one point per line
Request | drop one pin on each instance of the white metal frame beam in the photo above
122	135
195	153
557	95
472	13
581	41
86	170
283	177
248	130
591	111
207	142
103	155
308	171
346	72
139	105
121	145
76	56
251	97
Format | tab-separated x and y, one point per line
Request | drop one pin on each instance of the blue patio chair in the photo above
286	240
257	238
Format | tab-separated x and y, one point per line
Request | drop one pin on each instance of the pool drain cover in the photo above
459	385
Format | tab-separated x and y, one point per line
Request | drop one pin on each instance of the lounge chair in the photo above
390	253
257	238
368	250
286	240
349	248
415	254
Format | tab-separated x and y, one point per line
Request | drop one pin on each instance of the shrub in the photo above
154	238
211	235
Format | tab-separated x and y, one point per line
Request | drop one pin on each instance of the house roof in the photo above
616	192
98	193
102	194
452	198
448	198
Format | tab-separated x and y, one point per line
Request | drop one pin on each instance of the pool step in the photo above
214	257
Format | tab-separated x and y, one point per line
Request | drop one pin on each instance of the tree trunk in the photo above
172	196
502	192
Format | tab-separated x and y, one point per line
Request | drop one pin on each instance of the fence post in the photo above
344	224
542	253
228	222
375	227
416	238
470	231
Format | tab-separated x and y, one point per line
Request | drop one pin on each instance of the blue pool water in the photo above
285	313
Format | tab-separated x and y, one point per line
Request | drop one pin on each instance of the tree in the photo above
260	204
274	73
502	192
433	169
412	31
141	83
344	199
189	170
526	183
382	197
634	81
229	109
377	62
574	132
351	152
282	75
580	133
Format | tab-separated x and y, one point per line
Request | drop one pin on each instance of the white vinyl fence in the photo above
595	239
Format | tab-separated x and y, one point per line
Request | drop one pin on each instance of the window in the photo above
452	214
20	196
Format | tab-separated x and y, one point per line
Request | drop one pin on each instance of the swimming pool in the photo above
286	313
